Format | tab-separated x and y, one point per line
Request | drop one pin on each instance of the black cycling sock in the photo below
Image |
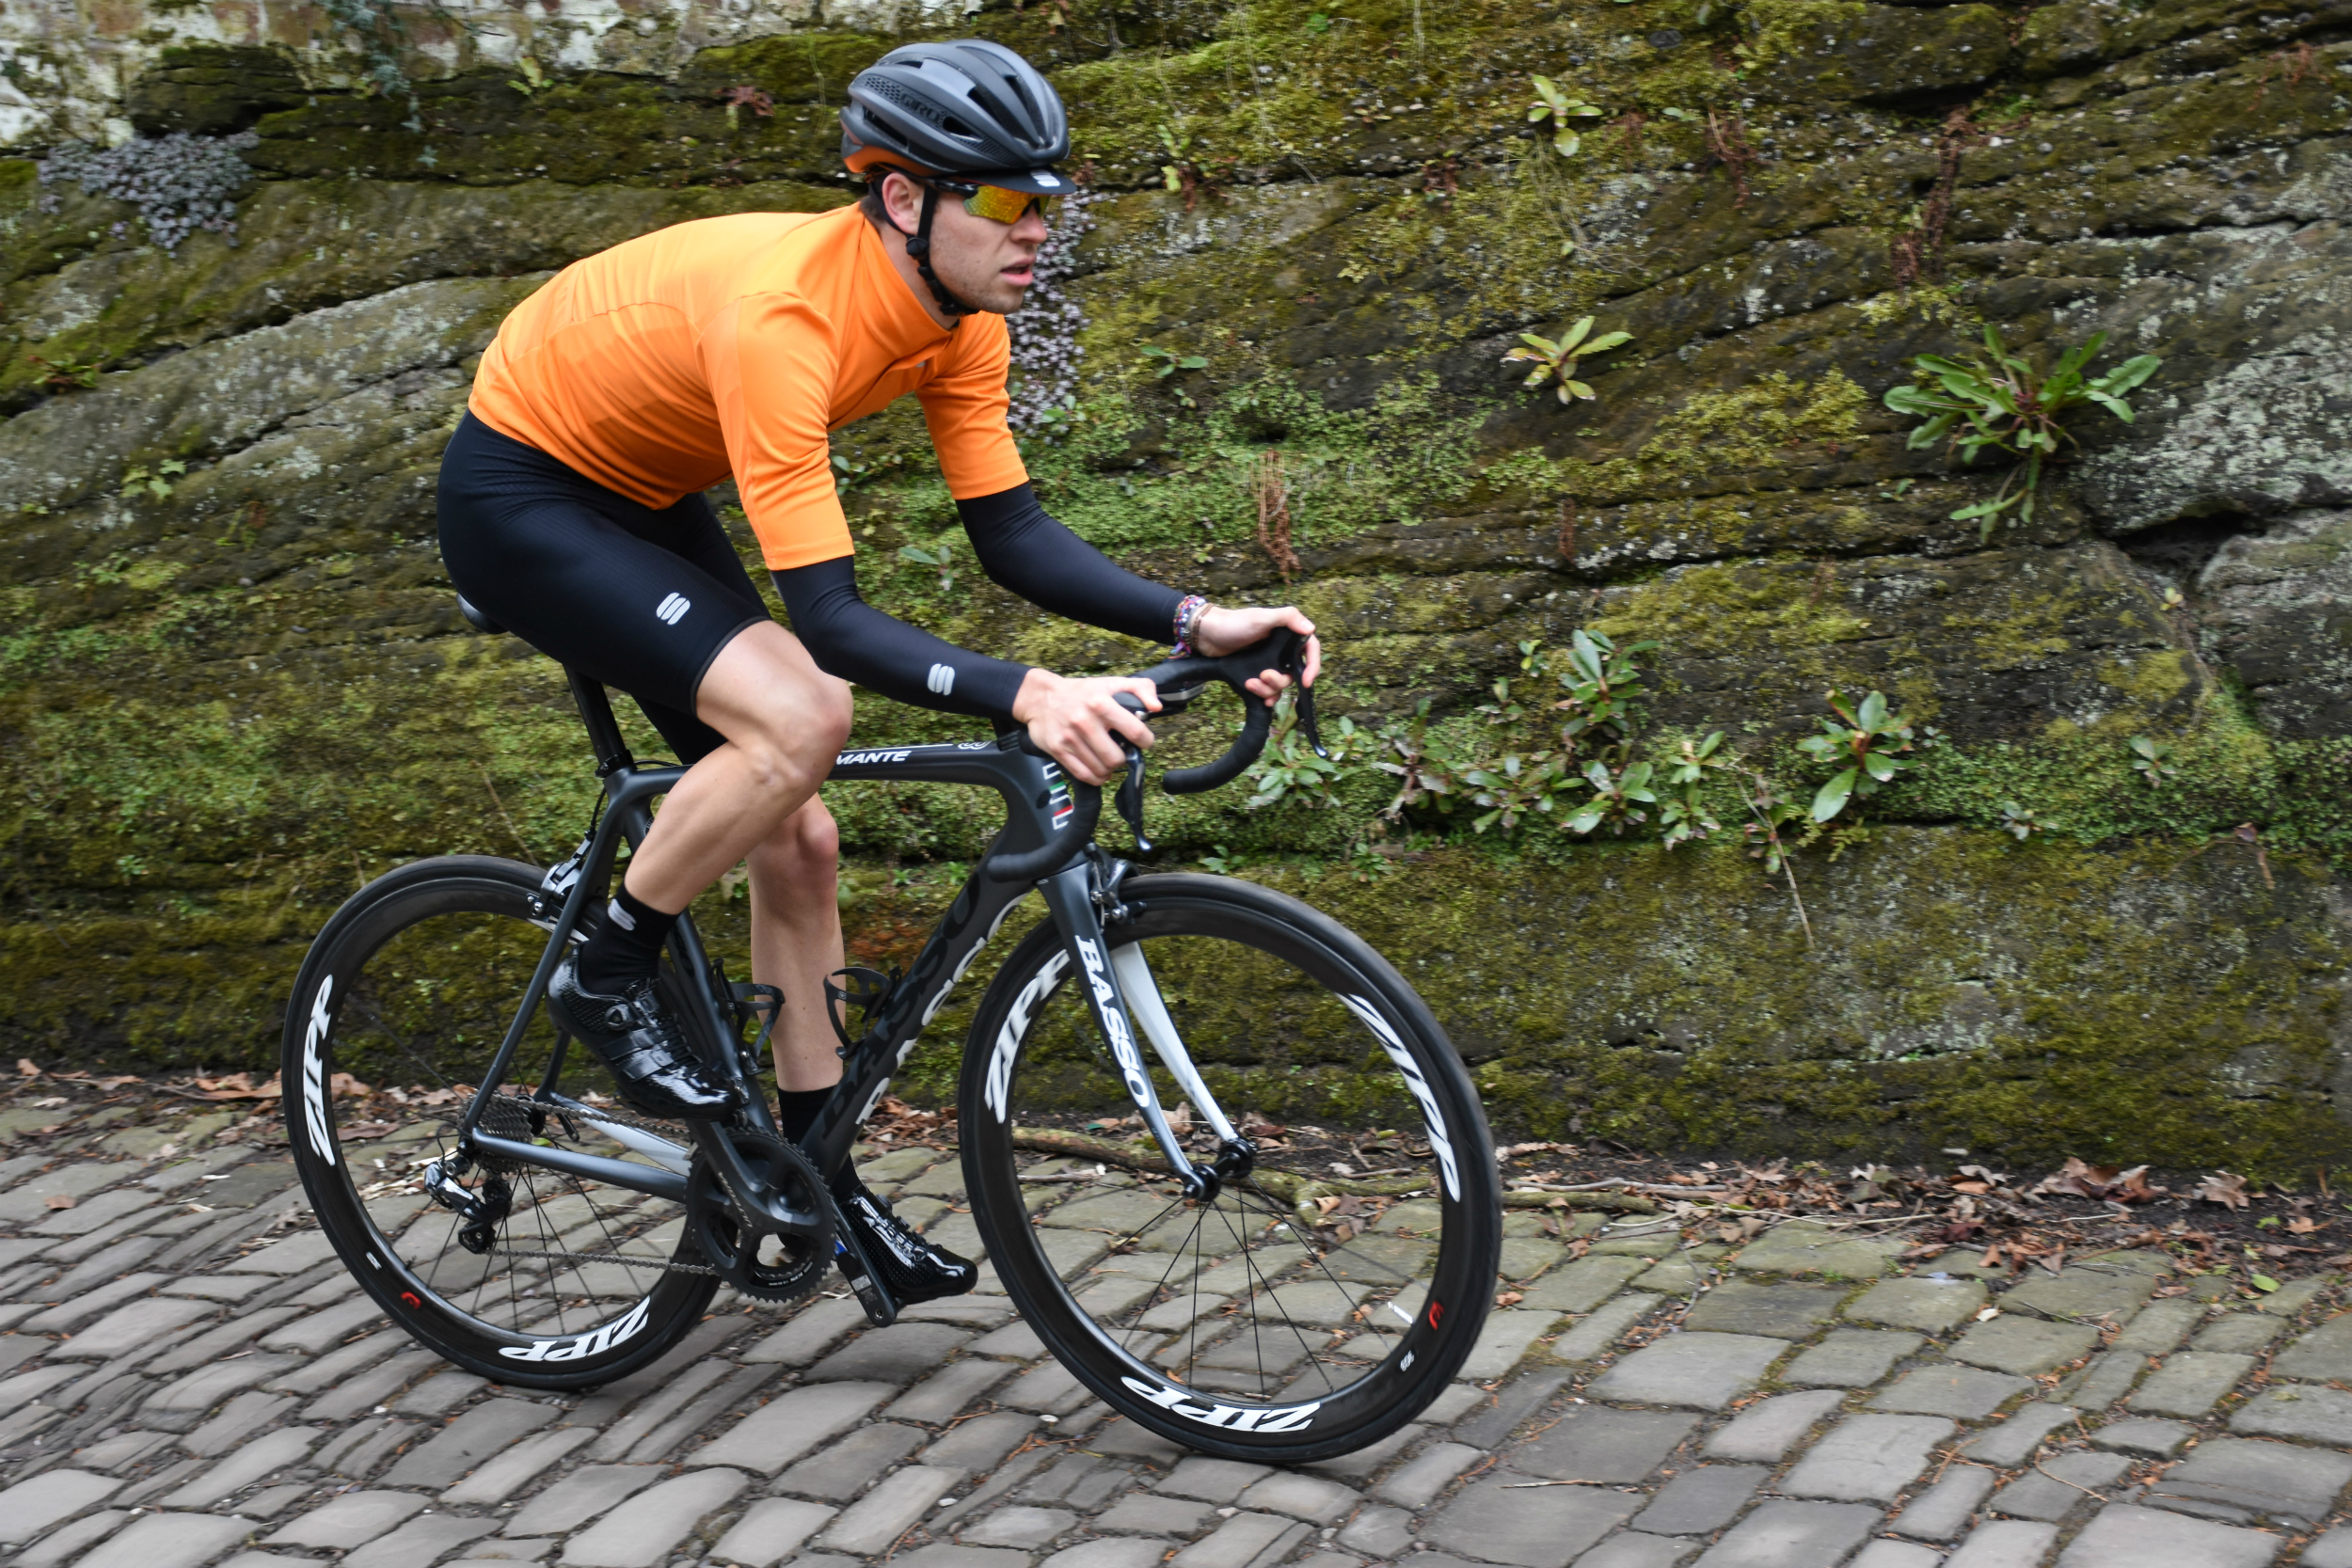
796	1110
626	949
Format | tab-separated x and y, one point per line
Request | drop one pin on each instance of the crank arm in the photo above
757	1197
1070	896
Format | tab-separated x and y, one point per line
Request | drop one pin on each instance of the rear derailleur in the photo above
483	1209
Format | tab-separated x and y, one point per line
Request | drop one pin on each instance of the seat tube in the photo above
1070	897
604	729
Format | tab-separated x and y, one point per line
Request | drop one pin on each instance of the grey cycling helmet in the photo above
967	109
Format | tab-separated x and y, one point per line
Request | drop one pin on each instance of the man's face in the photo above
989	263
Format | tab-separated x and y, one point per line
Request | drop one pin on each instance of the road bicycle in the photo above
1262	1292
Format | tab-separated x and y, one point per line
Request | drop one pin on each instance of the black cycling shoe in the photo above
912	1269
635	1036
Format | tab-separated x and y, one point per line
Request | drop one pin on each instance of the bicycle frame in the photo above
1047	844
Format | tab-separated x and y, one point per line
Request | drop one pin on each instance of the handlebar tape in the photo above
1283	651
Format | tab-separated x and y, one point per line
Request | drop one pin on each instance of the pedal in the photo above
882	1309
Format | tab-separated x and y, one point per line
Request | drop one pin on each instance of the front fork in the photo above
1120	985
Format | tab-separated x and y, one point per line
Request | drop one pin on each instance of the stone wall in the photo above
231	691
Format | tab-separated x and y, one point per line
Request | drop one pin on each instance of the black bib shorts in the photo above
640	599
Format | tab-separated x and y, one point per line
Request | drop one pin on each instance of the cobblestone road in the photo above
187	1378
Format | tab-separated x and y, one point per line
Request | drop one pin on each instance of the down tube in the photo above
979	911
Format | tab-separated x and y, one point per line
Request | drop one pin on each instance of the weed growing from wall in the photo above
1998	400
179	183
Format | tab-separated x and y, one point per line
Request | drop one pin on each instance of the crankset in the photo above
774	1241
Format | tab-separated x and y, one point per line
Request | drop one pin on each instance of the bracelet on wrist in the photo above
1188	614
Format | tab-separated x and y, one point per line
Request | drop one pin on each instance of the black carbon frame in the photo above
1047	843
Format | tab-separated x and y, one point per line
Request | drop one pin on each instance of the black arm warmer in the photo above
1027	552
851	639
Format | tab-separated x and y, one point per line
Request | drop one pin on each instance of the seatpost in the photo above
604	730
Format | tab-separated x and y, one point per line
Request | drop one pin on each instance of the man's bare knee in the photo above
806	846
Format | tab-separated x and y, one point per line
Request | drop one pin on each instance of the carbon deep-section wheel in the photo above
521	1274
1319	1301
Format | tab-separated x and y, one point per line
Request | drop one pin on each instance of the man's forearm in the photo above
1027	551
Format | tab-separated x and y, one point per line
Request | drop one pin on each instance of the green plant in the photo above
534	81
1560	358
157	483
65	375
1166	362
1996	399
1560	107
2021	824
1682	815
1184	173
939	557
1869	740
2153	761
1617	794
1290	767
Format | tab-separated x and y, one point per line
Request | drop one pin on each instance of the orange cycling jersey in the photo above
734	345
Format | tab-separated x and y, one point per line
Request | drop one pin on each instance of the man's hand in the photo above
1223	630
1078	723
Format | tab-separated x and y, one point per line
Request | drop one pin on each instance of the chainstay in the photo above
626	1261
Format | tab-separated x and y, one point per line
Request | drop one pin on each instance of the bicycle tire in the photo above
419	973
1311	974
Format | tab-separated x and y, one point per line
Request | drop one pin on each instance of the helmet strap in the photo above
919	248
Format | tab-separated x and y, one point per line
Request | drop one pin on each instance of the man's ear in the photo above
902	203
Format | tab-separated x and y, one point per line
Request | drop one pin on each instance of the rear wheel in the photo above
536	1277
1315	1305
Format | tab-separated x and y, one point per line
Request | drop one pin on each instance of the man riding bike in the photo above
571	512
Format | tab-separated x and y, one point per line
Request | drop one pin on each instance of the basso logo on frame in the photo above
1224	1417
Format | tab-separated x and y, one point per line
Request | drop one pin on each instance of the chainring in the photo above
747	1250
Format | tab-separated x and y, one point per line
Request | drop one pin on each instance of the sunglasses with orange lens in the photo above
999	205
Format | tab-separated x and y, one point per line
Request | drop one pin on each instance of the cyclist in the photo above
571	512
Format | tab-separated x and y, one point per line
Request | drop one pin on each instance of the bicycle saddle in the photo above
475	619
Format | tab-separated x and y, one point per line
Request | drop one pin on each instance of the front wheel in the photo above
1315	1305
552	1281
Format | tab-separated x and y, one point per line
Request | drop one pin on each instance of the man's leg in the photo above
785	721
796	943
781	721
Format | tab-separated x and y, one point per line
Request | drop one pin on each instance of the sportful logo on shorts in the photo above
673	610
942	679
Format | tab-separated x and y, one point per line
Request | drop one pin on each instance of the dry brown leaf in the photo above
24	1069
2300	1227
59	1200
2225	1189
240	1085
2101	1182
1510	1298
